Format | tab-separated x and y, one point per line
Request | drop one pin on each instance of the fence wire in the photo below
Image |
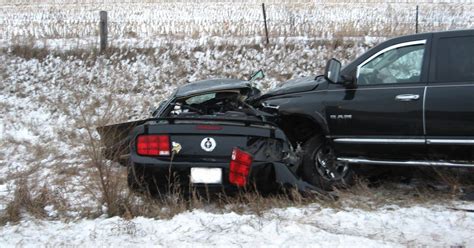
150	19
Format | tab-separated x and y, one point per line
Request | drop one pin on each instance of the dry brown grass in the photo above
120	201
27	201
404	186
167	206
107	182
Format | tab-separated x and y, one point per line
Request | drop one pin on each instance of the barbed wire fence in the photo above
179	20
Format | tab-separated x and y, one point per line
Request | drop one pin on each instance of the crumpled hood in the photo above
296	85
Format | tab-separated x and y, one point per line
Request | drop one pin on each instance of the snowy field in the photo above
312	226
55	89
69	25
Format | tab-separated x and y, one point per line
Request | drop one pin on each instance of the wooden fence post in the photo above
416	27
103	31
265	22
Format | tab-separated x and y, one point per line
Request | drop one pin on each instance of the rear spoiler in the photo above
225	121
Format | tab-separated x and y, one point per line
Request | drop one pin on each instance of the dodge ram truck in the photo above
407	101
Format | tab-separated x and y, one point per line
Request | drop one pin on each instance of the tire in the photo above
320	167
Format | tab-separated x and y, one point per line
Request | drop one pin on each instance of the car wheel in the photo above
320	167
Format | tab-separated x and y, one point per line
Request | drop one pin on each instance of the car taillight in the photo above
153	145
239	167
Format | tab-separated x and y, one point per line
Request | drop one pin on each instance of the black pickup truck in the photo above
408	101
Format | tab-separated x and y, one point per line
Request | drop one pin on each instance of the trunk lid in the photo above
115	140
208	140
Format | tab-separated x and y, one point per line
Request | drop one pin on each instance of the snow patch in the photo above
310	226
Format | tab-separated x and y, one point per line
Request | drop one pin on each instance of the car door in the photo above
450	97
383	116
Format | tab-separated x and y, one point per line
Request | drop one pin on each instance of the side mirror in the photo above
333	71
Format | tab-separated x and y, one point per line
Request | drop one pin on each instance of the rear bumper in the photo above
264	176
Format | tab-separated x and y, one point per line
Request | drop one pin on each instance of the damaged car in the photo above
207	137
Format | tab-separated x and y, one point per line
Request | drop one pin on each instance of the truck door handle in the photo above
407	97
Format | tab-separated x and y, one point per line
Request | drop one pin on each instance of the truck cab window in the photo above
399	65
455	59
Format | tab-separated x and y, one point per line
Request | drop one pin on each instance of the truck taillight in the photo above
153	145
239	167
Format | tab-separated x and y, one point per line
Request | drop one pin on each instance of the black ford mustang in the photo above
207	136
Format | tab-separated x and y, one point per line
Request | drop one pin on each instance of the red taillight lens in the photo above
153	145
239	167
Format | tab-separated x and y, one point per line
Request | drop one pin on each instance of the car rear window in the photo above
200	99
455	59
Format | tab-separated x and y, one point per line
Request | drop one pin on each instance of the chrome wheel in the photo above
327	166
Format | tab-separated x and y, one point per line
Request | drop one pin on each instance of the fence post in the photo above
265	22
103	31
416	27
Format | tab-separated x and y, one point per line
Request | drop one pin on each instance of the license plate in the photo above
206	175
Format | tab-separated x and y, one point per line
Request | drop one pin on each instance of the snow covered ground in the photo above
54	91
311	226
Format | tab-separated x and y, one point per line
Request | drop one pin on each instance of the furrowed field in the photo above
56	88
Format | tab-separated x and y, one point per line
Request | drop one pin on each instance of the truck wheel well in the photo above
299	128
